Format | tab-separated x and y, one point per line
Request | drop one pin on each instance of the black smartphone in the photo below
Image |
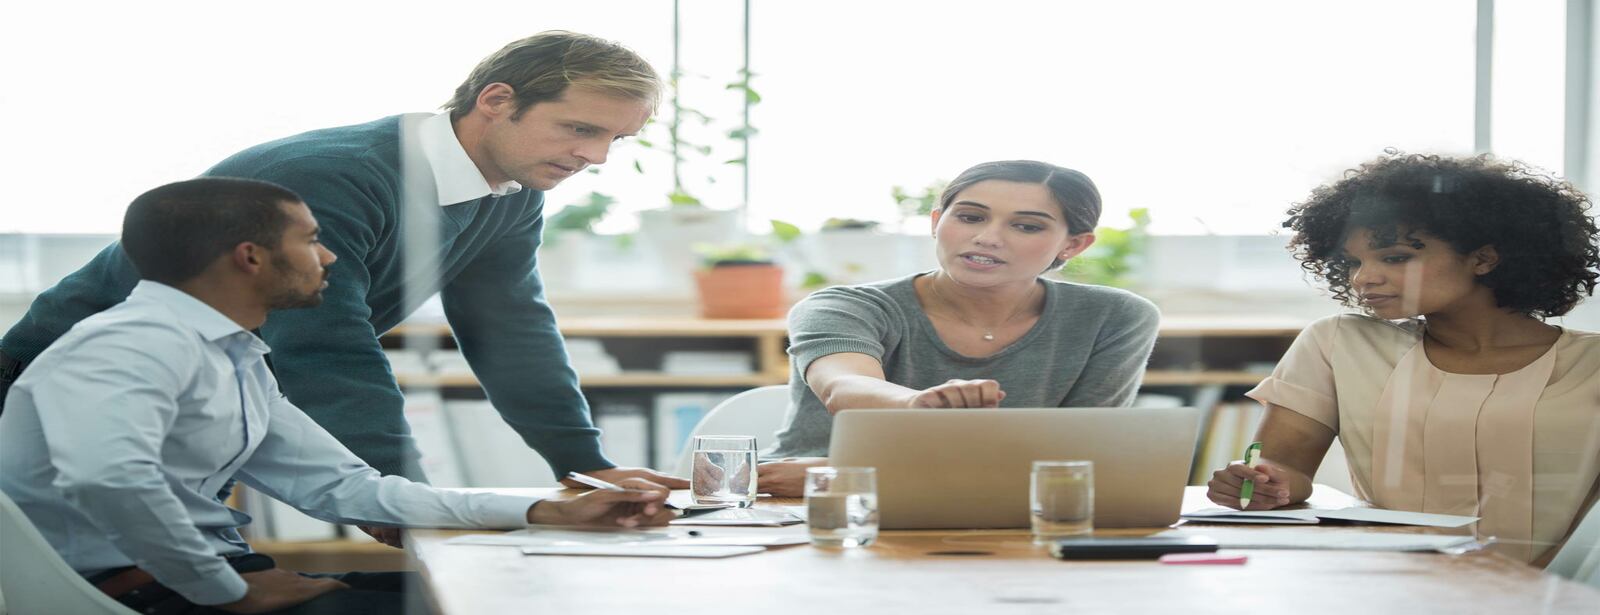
1150	547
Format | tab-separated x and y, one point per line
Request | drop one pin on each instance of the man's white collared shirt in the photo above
455	177
117	439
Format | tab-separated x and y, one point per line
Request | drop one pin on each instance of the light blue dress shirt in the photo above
116	440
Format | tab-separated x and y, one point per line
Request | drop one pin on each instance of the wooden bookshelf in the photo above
1192	351
767	340
656	380
317	547
338	555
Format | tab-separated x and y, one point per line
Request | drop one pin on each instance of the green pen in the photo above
1252	457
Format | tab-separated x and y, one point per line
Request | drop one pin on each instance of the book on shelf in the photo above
708	363
287	523
492	454
1232	428
676	415
441	458
589	358
449	363
407	363
624	432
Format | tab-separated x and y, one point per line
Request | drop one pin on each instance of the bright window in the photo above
1216	116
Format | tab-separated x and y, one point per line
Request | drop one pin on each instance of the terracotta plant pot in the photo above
743	290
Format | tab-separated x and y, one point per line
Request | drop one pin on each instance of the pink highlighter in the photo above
1205	559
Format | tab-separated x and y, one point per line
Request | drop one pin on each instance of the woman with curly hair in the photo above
1450	393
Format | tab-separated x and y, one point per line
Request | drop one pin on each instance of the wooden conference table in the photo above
989	571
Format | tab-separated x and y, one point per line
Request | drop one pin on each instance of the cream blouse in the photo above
1521	450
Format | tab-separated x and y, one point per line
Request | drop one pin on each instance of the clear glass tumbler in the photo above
1062	499
842	506
724	470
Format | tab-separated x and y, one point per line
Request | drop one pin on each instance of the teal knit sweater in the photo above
327	358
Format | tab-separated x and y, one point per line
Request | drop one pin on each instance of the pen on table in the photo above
600	484
1252	457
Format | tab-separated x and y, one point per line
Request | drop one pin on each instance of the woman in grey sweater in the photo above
982	331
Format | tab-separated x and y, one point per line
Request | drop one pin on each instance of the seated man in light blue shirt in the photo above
116	442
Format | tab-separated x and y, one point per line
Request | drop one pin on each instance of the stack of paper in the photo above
490	452
407	363
624	431
707	363
441	461
1313	516
589	358
449	363
676	415
762	517
1324	540
645	542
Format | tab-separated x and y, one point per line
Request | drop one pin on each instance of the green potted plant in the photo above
786	237
686	220
578	218
568	246
848	224
916	206
1116	255
856	250
739	281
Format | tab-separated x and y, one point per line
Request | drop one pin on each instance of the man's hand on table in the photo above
644	503
617	475
786	478
386	535
276	589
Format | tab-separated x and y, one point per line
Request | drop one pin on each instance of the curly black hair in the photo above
1538	224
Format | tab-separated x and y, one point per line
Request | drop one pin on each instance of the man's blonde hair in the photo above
539	69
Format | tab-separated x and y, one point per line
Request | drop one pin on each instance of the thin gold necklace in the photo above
988	332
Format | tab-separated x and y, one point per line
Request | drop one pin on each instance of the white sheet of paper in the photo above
761	517
1399	517
541	537
1304	516
1322	540
1310	516
643	551
766	537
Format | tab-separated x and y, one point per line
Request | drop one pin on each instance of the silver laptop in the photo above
970	468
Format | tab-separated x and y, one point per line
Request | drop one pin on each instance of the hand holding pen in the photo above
634	502
1250	484
1252	458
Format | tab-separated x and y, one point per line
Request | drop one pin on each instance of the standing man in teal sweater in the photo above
471	183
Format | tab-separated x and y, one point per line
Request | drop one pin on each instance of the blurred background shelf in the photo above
620	381
339	555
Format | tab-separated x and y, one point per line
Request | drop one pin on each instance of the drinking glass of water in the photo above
1062	499
842	506
724	470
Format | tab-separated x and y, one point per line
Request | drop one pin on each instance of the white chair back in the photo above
1579	559
756	412
35	579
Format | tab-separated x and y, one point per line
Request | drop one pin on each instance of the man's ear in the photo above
497	100
1484	260
1076	244
248	257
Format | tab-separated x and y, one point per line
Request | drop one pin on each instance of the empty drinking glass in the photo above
1062	499
724	470
842	506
